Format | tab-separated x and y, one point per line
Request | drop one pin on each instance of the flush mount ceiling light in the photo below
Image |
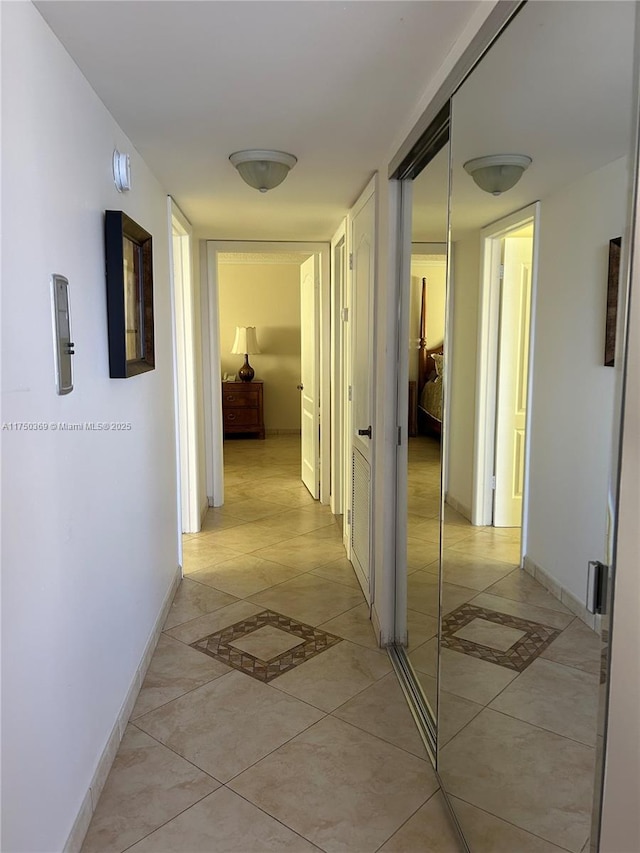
261	169
498	172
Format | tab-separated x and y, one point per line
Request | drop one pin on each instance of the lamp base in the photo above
246	372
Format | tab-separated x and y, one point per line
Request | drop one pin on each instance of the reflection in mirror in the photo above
426	344
531	425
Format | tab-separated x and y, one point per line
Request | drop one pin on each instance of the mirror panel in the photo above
530	424
425	353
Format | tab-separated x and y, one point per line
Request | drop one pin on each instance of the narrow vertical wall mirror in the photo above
531	426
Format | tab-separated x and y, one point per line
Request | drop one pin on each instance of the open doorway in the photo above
508	281
262	285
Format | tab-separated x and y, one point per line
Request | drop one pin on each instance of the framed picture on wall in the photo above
129	265
612	301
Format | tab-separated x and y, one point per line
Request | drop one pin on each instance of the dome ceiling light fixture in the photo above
497	173
263	169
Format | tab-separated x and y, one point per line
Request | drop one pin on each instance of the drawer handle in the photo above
230	398
231	416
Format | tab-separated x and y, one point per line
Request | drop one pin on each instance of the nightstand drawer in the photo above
242	417
245	399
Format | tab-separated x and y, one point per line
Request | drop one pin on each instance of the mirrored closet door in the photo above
540	138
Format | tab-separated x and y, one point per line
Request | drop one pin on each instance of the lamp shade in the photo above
499	172
245	341
261	169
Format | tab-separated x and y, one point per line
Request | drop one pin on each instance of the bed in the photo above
430	372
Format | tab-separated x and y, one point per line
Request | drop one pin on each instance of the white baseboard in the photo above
458	506
90	801
563	595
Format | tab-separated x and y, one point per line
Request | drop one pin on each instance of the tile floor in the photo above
519	677
269	719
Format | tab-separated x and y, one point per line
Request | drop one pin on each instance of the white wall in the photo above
267	296
462	354
620	815
572	402
89	546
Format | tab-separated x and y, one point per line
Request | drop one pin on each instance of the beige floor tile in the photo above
496	763
421	628
481	545
485	633
293	498
454	713
308	599
331	678
219	518
338	786
382	711
429	830
423	594
577	646
303	552
148	785
245	575
198	628
486	833
475	572
248	537
254	509
425	657
340	571
226	823
555	697
199	553
230	723
421	553
266	643
552	618
429	688
195	599
299	521
473	679
354	625
175	669
520	586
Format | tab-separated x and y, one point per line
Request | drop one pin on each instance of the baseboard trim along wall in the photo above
563	595
458	506
90	801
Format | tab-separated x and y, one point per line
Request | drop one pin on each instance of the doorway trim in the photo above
487	366
212	364
339	365
185	368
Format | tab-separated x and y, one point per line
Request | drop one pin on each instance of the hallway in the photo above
290	732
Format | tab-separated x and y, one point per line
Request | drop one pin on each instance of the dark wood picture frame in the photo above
612	301
129	266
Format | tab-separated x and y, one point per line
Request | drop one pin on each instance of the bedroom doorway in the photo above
505	331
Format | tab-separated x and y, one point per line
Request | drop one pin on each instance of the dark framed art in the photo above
129	264
612	302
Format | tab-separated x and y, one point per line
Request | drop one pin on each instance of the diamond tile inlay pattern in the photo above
536	637
220	645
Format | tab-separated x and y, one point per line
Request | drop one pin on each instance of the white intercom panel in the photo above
63	345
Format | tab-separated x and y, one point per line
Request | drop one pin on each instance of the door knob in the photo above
300	387
365	432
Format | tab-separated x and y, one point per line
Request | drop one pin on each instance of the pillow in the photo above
438	358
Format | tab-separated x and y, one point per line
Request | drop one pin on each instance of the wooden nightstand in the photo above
242	408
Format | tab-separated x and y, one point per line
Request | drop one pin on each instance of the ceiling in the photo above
567	102
190	82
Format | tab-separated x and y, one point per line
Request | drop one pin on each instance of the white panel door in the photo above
363	253
513	364
310	373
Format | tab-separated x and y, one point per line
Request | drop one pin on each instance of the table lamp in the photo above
245	343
